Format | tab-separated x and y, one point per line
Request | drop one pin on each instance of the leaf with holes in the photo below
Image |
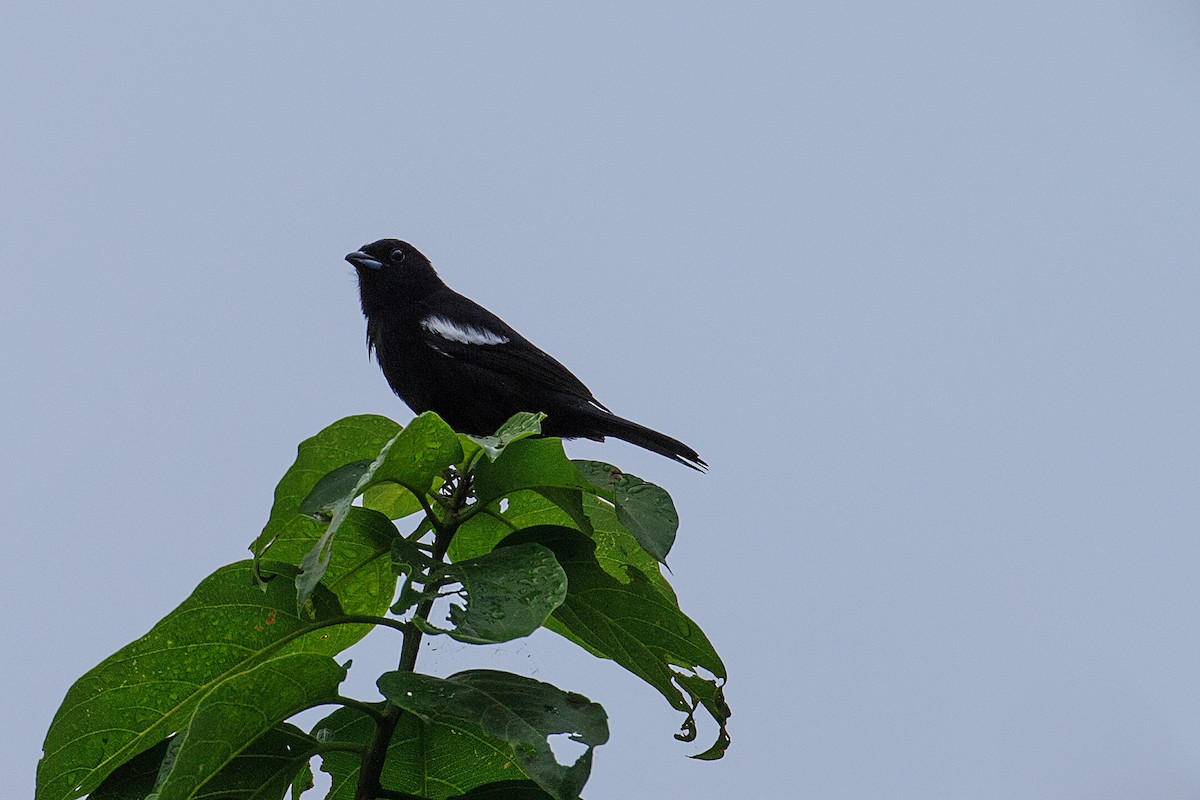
425	758
635	625
519	712
527	464
509	593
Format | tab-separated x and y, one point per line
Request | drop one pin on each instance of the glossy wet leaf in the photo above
417	455
645	509
263	771
241	709
346	441
392	500
359	569
519	426
632	623
149	688
333	489
480	735
505	790
527	464
513	709
508	593
428	759
616	548
413	459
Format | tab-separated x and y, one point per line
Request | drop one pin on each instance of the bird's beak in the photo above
360	259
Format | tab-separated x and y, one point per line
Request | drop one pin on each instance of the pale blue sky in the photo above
918	280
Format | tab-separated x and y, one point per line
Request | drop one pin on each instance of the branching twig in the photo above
369	787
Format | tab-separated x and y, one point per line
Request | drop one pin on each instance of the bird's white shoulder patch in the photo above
466	334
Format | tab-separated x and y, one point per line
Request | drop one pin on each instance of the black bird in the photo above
442	352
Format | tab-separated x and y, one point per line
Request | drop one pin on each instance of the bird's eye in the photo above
398	256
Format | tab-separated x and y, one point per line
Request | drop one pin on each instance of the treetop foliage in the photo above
506	531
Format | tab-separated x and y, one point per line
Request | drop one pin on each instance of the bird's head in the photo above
391	273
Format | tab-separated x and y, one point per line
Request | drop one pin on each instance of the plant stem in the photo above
369	787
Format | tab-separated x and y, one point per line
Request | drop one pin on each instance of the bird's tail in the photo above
652	440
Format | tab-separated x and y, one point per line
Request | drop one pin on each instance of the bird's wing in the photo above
465	331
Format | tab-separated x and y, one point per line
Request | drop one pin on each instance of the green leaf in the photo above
505	790
513	709
711	696
428	759
645	509
359	571
519	426
303	779
149	688
618	551
392	500
410	561
241	709
417	455
263	771
333	489
136	778
616	548
346	441
635	625
509	594
408	558
413	458
571	502
482	532
334	510
527	464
